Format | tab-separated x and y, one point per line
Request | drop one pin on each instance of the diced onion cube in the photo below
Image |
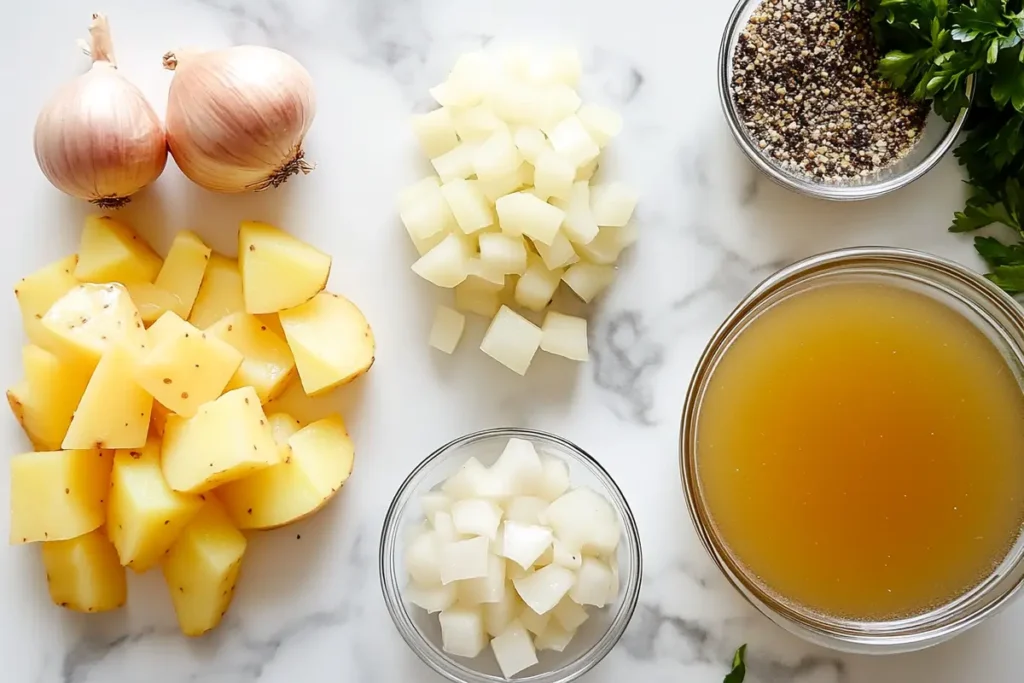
588	280
565	556
474	72
560	102
533	622
525	509
426	244
513	571
423	211
476	124
560	66
517	103
447	329
456	163
522	213
612	204
607	246
473	298
446	265
544	588
431	598
462	631
555	480
486	589
435	501
592	583
464	560
530	142
423	559
519	466
513	648
497	156
479	271
602	123
476	517
558	254
613	585
554	637
512	340
444	527
468	205
499	187
554	175
503	253
569	614
571	139
454	94
584	520
497	615
461	484
565	335
537	286
435	132
579	225
546	558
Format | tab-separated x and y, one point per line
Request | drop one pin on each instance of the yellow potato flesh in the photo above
38	291
112	252
182	272
90	319
268	365
278	270
114	411
219	294
83	573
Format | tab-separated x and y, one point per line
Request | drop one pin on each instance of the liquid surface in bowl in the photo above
860	448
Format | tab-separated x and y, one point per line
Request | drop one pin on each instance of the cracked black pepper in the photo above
804	85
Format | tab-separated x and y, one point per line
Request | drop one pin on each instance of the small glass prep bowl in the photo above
938	136
595	638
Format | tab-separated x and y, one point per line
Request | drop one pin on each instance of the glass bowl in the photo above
981	304
595	638
938	137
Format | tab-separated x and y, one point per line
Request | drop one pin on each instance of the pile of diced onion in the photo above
511	555
512	212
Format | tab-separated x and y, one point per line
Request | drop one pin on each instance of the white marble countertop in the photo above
310	609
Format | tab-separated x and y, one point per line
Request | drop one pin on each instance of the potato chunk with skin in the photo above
220	292
90	319
201	569
187	369
278	270
182	272
331	341
226	439
54	387
267	362
144	515
83	573
114	411
38	291
112	252
318	460
57	495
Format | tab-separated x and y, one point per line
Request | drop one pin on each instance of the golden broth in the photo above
860	448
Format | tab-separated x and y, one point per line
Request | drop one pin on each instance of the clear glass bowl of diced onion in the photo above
472	465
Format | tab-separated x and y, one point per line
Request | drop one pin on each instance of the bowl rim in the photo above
450	667
998	310
832	192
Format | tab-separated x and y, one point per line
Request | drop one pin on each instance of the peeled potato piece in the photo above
38	291
112	252
83	573
278	270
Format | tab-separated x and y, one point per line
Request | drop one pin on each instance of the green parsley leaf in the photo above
739	666
997	254
1009	278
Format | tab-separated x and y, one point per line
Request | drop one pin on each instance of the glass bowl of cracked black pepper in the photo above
799	85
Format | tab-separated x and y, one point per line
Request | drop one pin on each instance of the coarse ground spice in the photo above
805	87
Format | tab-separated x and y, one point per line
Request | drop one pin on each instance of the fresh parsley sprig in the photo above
931	48
739	666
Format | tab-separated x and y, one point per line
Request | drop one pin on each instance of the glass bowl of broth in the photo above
852	449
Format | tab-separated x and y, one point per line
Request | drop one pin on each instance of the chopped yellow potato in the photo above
151	301
219	294
92	318
114	411
318	459
113	252
186	367
38	291
16	397
267	364
158	418
282	426
57	495
53	389
182	272
227	439
202	567
278	270
331	341
83	573
144	515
